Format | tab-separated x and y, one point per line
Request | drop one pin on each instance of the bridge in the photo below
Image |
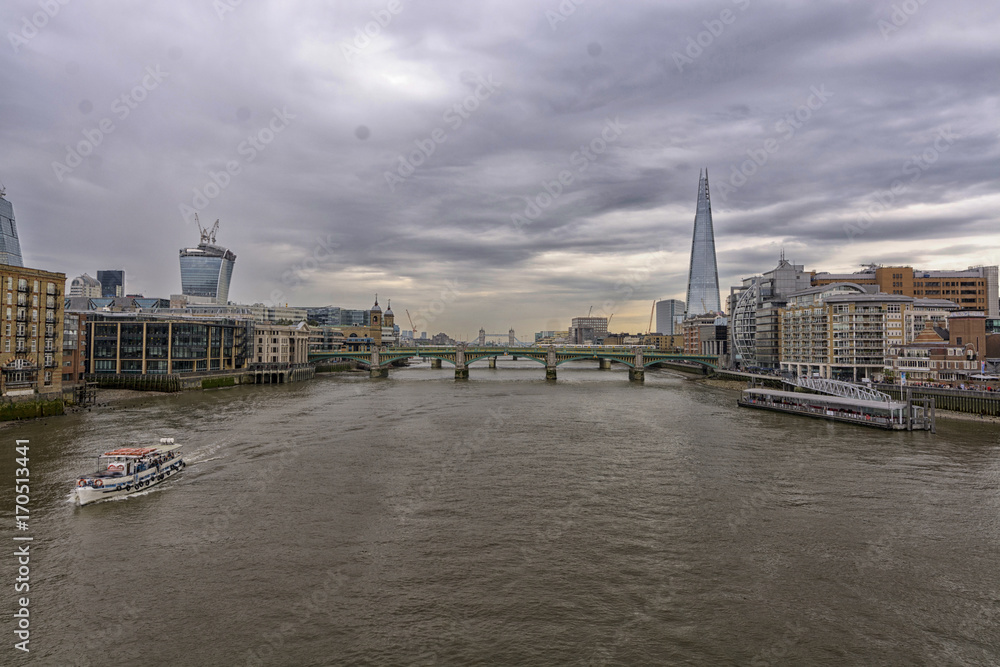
461	356
843	389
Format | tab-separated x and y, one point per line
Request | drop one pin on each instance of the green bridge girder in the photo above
540	354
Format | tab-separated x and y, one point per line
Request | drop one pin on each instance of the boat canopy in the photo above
138	452
824	400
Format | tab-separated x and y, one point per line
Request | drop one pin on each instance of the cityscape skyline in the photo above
841	156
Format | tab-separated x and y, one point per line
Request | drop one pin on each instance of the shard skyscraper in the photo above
703	274
10	245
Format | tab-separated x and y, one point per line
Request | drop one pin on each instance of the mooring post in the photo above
909	409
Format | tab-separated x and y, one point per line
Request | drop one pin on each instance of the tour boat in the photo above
129	469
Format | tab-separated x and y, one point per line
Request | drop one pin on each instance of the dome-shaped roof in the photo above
376	308
388	310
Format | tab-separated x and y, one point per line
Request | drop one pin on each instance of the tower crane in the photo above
411	324
652	310
207	235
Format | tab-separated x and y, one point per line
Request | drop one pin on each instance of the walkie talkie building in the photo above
207	270
703	274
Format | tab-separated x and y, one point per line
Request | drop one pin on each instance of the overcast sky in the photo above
423	160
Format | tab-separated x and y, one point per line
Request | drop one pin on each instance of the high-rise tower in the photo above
207	270
10	246
703	274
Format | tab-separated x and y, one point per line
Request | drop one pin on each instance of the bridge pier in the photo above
461	372
435	363
550	372
493	362
378	372
637	374
605	364
515	357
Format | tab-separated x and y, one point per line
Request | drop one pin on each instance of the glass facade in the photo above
10	245
206	272
669	315
155	346
112	283
703	274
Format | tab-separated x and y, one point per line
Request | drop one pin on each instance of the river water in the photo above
507	520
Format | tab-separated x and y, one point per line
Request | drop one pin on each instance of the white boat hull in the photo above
114	487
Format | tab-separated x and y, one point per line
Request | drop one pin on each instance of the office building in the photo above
207	270
130	343
669	316
112	283
588	330
707	333
281	344
85	286
703	272
975	288
10	244
325	316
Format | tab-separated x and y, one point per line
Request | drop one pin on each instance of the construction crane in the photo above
652	310
609	320
590	311
411	323
207	235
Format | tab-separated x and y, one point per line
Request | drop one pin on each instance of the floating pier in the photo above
913	414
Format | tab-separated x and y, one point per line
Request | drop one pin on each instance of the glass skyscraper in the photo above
669	315
10	246
112	283
703	274
206	272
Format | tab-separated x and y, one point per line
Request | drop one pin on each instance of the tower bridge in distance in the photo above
637	359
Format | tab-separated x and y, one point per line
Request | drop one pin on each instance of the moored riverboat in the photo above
129	469
890	415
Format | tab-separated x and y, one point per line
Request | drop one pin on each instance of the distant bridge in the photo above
636	358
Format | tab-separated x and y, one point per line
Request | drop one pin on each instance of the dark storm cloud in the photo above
470	142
